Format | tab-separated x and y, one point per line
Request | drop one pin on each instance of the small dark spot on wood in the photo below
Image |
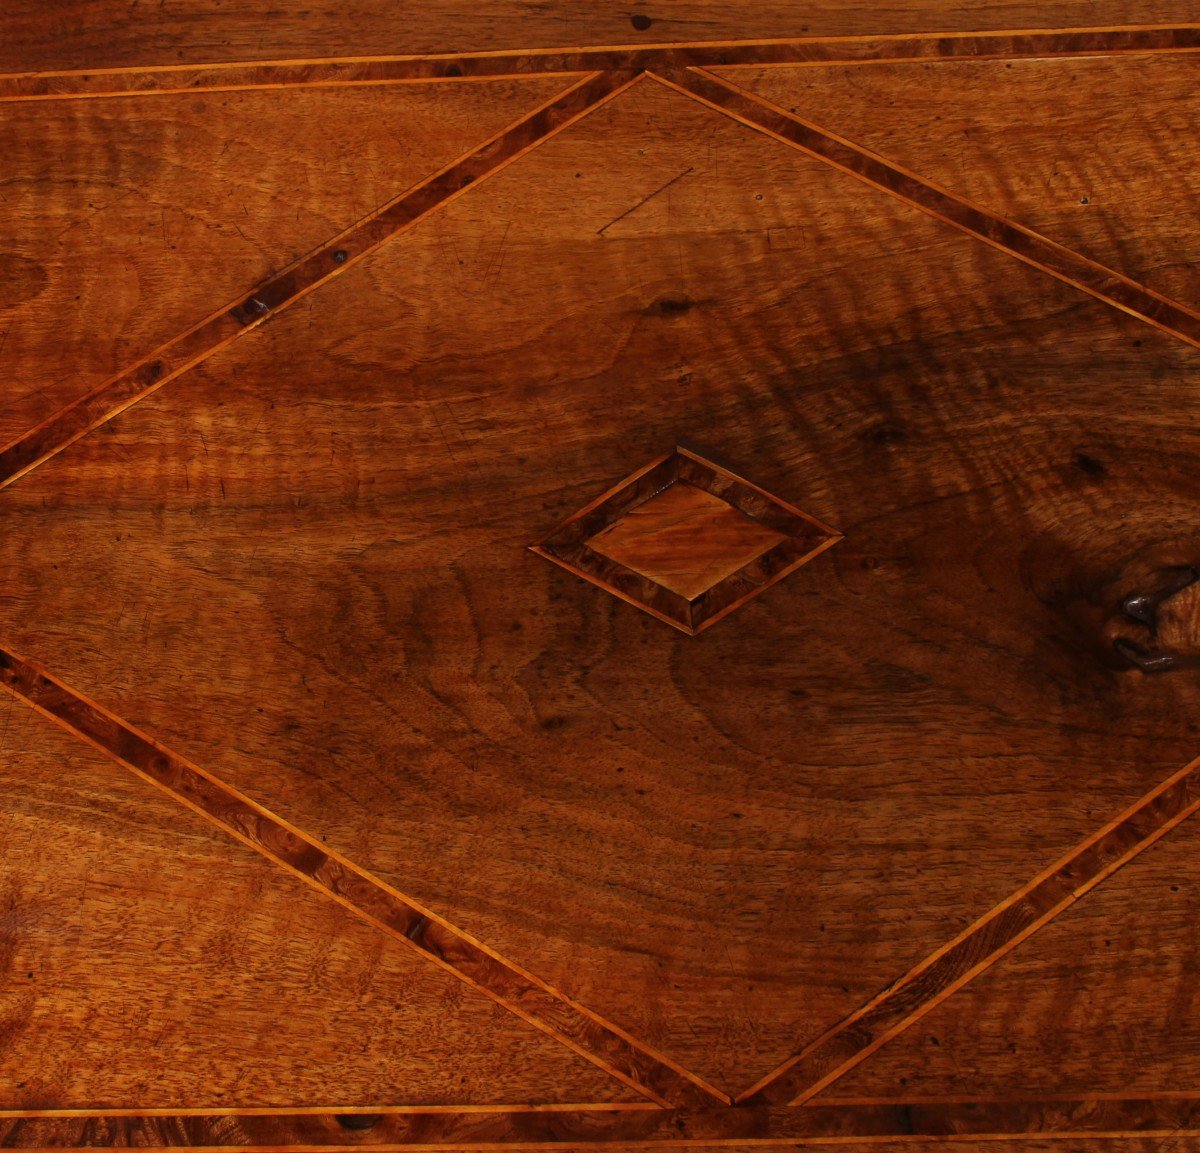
1090	464
1084	200
673	305
453	70
340	256
640	22
884	434
358	1120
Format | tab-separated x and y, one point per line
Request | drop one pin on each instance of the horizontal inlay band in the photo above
581	1126
351	70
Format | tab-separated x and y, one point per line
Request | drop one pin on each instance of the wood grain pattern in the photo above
58	34
282	289
327	521
56	85
1057	1016
124	223
144	958
1012	1122
659	538
1016	240
1095	154
431	937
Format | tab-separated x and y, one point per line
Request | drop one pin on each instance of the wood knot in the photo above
1168	611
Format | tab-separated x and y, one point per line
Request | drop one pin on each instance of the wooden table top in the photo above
591	575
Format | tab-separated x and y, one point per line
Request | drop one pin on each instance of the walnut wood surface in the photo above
299	277
302	355
1025	244
1096	154
124	222
1051	1018
332	555
145	957
387	910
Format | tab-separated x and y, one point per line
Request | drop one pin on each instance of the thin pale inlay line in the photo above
600	1126
570	1023
417	67
1016	240
980	946
331	259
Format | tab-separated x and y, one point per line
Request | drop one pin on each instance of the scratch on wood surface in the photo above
646	200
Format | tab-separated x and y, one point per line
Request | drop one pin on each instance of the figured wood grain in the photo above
145	958
283	288
1023	243
1103	1001
949	1124
1096	154
331	526
686	539
363	894
331	72
124	223
57	34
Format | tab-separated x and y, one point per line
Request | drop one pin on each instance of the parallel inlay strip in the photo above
335	71
371	898
1025	244
581	1126
331	259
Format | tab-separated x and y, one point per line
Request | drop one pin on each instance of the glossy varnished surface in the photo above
900	848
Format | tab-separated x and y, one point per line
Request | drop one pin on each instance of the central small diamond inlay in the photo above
687	540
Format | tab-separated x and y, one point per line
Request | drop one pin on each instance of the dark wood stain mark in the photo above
341	252
362	893
1026	245
334	72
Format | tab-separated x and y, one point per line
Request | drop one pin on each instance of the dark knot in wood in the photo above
1162	648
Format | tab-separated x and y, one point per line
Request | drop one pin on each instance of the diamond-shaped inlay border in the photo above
706	555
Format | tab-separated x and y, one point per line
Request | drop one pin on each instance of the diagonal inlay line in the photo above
575	1026
198	343
580	1126
1015	239
981	945
405	69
